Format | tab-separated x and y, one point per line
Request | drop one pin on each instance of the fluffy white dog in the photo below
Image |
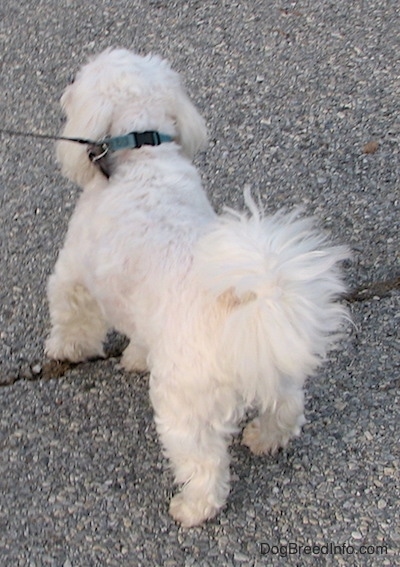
226	312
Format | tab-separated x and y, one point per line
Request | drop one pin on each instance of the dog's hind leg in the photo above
273	428
197	450
78	325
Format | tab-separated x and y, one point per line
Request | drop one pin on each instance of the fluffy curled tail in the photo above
279	282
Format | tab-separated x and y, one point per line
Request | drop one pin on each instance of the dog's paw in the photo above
191	513
267	441
134	359
72	351
254	440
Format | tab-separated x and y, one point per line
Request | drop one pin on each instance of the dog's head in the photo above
118	92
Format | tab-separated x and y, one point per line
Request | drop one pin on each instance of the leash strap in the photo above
97	151
113	144
45	136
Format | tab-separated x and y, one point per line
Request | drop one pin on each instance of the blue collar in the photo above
134	140
98	151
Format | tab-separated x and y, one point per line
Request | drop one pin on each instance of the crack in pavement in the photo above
57	369
374	289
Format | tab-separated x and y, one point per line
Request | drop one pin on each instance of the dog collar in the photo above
97	151
136	140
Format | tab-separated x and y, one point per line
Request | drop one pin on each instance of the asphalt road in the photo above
302	102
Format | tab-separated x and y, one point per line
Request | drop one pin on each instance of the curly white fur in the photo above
226	312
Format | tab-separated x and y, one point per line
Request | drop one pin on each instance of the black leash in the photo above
47	137
112	144
97	151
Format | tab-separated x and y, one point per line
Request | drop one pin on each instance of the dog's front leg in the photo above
198	454
134	358
78	326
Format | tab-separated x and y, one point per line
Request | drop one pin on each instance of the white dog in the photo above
226	312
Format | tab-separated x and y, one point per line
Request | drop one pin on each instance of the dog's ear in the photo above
191	127
87	117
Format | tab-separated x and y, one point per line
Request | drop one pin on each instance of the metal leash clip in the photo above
97	151
98	155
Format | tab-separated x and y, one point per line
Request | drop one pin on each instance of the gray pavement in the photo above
302	102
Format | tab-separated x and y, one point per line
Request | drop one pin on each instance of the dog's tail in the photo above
279	283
